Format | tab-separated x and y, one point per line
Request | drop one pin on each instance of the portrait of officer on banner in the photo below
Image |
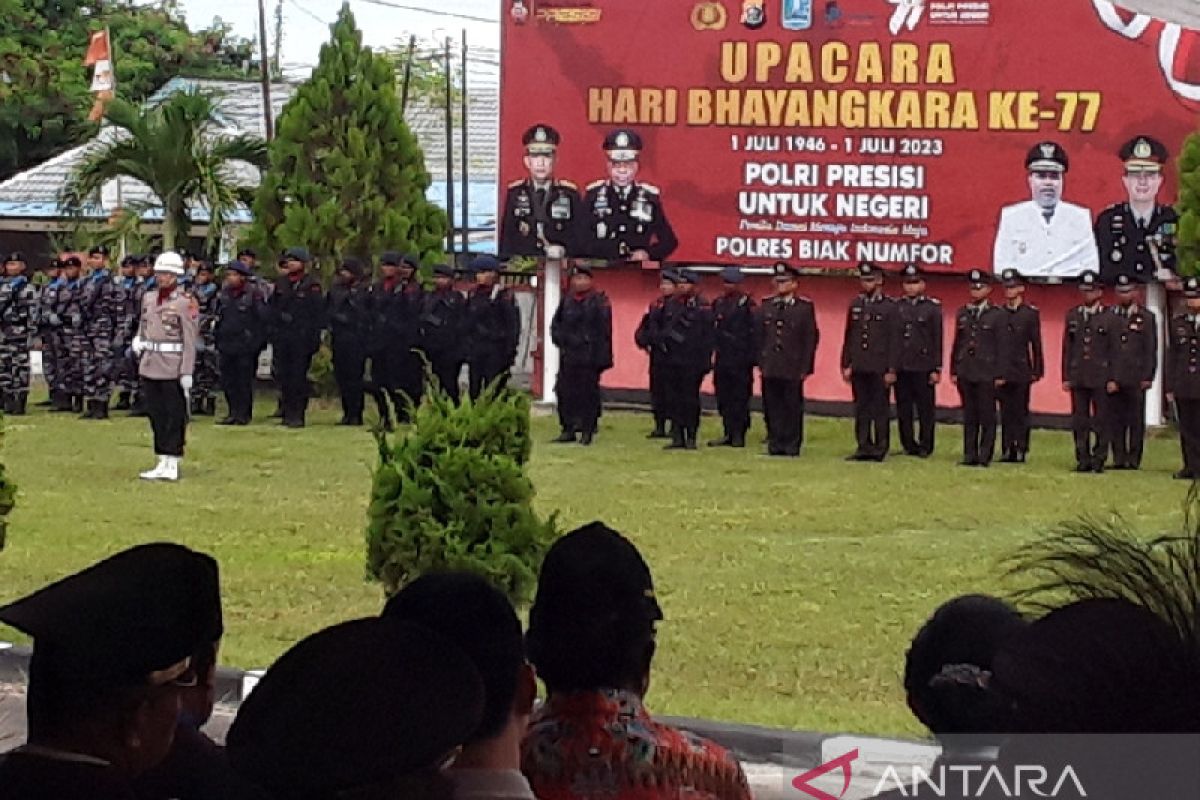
626	219
1136	237
1045	237
541	212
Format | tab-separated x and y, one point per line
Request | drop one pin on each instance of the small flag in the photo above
104	84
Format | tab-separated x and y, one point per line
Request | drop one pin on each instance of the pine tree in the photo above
1188	237
347	176
453	494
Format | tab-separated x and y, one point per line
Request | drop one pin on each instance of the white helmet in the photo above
169	262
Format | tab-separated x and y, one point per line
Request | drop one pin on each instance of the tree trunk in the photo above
175	225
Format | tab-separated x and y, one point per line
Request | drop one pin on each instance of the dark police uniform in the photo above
208	375
1024	365
396	371
349	314
1134	365
621	220
493	330
298	316
240	335
736	349
582	330
787	337
538	215
1127	244
871	350
647	338
1087	368
976	363
1182	380
686	347
920	359
442	316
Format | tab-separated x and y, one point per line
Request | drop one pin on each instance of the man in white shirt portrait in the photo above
1046	236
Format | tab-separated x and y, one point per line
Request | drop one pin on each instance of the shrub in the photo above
452	494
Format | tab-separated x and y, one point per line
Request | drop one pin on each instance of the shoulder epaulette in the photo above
649	187
516	183
803	299
1032	307
595	184
934	300
568	184
1113	207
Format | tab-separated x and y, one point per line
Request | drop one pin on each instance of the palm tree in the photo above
178	150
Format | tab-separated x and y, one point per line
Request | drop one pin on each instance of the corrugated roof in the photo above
34	193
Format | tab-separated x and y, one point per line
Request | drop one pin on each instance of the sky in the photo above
306	23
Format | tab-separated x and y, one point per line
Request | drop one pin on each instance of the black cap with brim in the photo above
582	269
356	706
1011	277
240	268
595	570
131	620
443	270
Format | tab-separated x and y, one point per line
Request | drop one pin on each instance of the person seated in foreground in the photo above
112	648
592	639
369	709
479	619
947	681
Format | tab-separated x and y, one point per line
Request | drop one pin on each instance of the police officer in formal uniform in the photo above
870	355
443	311
646	337
1182	377
686	347
18	324
625	219
920	366
240	335
298	314
1136	237
977	369
112	653
349	315
493	326
786	335
541	212
103	308
1088	373
204	291
166	343
1134	365
395	301
582	330
736	349
1024	365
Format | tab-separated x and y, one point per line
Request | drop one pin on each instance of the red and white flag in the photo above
104	84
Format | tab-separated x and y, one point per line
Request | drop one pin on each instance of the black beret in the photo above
300	254
356	706
352	265
732	275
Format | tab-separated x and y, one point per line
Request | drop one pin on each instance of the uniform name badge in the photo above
601	230
641	210
561	208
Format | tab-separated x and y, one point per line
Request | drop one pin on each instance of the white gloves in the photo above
555	252
140	345
185	382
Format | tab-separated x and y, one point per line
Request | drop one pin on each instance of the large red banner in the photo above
826	132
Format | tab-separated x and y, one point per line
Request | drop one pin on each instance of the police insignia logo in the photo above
1142	149
754	16
622	140
540	135
709	16
1047	150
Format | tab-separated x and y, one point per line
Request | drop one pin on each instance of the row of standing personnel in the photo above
893	347
86	323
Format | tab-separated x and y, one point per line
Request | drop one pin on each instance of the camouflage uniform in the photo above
18	323
207	375
103	303
69	309
50	327
125	371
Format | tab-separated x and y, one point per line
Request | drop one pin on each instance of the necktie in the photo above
540	196
1047	214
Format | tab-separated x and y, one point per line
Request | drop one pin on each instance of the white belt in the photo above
164	347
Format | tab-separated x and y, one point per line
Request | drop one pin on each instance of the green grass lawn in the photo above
790	587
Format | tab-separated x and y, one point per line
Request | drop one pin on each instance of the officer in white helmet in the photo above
166	342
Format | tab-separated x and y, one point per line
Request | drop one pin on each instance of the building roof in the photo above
34	193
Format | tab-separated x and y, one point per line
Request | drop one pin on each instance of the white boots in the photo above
167	469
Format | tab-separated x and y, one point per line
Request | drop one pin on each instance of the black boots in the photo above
122	403
660	430
678	439
96	409
564	437
18	404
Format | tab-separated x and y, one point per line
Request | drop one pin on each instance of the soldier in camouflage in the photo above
207	374
68	312
50	334
18	323
103	306
125	369
146	282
